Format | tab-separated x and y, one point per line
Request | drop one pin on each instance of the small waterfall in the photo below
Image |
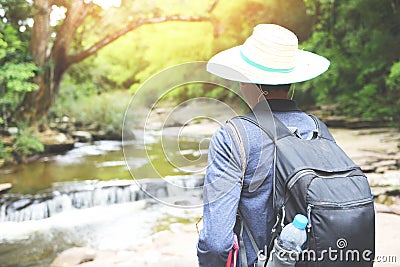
80	195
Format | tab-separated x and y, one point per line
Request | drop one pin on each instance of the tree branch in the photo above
213	6
63	3
112	37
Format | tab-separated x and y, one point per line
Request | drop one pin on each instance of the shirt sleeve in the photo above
221	195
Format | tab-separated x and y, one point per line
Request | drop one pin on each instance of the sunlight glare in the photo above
107	3
57	14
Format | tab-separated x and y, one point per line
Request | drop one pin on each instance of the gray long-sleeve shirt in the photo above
223	191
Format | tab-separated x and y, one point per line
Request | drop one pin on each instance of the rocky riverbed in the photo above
176	247
375	150
171	237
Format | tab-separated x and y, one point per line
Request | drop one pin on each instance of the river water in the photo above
101	160
118	216
87	197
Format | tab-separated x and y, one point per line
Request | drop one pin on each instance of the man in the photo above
239	174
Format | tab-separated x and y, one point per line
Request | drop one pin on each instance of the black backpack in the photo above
316	178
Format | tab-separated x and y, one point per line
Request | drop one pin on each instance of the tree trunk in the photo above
54	63
36	103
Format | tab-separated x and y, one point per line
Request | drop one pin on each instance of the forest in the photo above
83	59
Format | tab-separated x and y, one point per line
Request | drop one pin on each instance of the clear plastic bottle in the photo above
289	243
294	235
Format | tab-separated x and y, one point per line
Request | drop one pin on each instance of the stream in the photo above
86	197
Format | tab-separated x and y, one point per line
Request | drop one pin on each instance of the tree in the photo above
361	38
73	39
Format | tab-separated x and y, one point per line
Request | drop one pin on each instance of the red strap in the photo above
233	254
229	262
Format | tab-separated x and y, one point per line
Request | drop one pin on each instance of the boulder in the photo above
82	136
56	142
13	130
88	257
5	187
106	135
74	257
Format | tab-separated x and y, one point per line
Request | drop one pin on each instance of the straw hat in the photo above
269	56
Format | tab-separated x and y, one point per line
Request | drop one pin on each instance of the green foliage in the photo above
105	110
135	57
26	143
237	19
4	152
393	79
16	71
83	80
393	84
16	12
361	39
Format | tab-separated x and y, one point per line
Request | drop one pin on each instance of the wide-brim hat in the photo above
269	56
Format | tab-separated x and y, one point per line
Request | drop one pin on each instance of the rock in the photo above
5	187
357	123
389	178
395	209
107	135
177	248
367	168
74	257
93	127
377	191
387	244
65	119
381	199
55	142
160	111
88	257
385	163
382	169
382	208
12	130
82	136
335	121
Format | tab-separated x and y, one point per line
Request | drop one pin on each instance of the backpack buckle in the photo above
283	216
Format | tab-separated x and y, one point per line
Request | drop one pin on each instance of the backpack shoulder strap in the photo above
272	126
236	130
323	131
242	248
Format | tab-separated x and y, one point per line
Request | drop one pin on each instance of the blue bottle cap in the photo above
300	221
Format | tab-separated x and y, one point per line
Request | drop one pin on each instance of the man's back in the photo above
254	199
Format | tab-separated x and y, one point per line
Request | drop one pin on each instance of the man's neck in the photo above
277	95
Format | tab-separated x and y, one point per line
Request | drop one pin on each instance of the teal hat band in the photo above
261	67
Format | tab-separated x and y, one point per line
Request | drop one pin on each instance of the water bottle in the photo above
288	245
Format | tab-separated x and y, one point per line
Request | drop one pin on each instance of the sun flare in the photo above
107	3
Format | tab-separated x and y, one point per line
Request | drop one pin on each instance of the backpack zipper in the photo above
297	177
301	173
309	208
333	205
